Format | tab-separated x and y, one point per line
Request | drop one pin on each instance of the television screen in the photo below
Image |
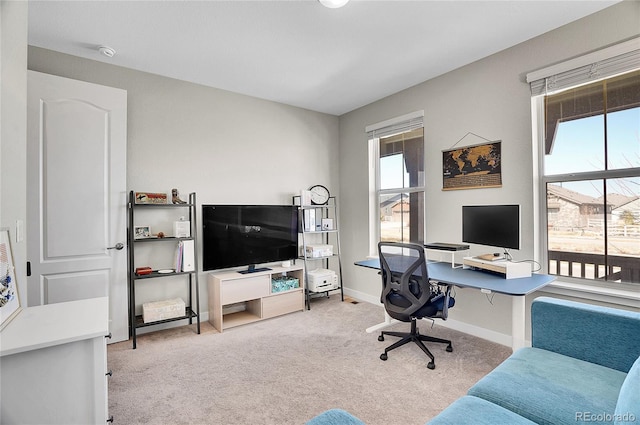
246	235
493	225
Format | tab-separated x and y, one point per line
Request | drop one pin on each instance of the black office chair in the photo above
408	294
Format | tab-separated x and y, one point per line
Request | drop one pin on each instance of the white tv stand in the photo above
508	269
236	299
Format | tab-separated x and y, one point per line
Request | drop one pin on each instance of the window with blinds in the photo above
397	150
589	176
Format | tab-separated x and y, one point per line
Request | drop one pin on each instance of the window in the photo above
589	147
397	182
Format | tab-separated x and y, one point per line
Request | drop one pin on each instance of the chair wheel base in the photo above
431	365
449	348
380	338
383	356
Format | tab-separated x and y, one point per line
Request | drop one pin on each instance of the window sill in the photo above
622	297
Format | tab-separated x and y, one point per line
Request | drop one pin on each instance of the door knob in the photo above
118	246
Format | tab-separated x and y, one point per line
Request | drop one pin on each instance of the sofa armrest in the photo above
335	417
601	335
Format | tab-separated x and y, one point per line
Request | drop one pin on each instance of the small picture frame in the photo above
141	232
150	198
10	305
327	224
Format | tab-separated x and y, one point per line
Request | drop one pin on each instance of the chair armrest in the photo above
606	336
444	312
445	307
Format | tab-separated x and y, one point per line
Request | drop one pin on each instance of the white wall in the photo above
489	98
13	131
226	147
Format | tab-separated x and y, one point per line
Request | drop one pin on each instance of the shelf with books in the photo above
183	261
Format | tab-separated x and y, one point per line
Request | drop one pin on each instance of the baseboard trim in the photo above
477	331
489	335
362	296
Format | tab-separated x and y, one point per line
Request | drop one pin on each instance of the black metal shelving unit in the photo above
192	309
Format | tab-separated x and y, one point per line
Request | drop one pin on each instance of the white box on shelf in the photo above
317	251
305	197
188	256
321	280
182	229
162	310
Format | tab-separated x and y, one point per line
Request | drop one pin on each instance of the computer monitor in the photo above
492	225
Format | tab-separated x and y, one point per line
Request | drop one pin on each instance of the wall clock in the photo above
319	194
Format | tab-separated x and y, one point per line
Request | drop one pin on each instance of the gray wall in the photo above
226	147
489	98
13	131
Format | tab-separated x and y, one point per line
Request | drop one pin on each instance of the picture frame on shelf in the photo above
141	232
150	198
327	224
9	298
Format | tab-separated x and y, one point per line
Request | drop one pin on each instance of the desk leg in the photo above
387	321
518	322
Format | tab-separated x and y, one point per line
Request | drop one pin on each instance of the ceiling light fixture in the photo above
333	4
107	51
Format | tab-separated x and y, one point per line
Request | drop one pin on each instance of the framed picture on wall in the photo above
472	167
9	299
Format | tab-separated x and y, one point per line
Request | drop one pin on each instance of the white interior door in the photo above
76	201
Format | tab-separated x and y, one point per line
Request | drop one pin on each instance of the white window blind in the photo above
397	125
585	69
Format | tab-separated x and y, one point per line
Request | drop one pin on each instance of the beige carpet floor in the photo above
288	369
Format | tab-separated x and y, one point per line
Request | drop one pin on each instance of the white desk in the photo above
467	278
53	361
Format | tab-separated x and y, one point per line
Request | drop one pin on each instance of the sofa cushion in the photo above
606	336
628	407
476	411
335	417
549	388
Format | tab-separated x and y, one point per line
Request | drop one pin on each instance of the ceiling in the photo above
298	52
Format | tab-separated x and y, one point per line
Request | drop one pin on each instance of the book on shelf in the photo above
309	220
178	262
185	256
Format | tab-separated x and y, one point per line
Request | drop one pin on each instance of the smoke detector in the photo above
333	4
107	51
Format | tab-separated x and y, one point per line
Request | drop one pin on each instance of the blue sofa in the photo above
583	367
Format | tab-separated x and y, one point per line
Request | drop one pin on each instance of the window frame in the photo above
375	191
541	239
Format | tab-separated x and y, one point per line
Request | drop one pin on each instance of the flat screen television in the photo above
492	225
248	235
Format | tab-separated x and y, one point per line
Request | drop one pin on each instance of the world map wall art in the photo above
472	167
